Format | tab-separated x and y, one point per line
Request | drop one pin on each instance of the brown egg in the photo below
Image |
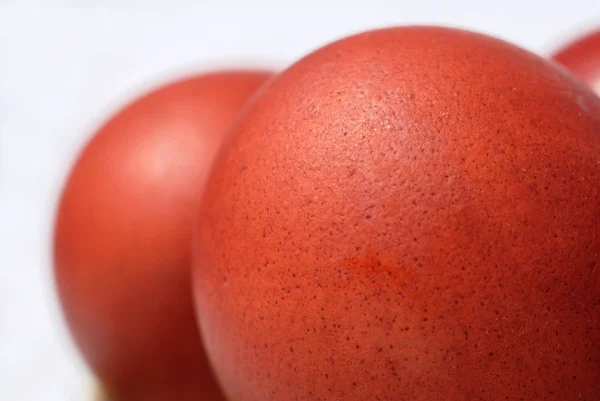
123	233
582	57
407	214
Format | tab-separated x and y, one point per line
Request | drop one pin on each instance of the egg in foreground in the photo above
406	214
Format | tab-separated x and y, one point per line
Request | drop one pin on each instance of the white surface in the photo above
63	68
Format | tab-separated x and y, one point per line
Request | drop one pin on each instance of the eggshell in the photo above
582	57
410	213
123	234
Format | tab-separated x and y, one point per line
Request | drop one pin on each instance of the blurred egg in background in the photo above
121	246
582	57
68	67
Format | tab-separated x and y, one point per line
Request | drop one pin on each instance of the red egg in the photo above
407	214
582	57
123	231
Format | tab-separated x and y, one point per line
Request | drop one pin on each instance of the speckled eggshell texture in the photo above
123	231
407	214
582	57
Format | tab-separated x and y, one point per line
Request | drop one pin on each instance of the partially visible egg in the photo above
409	213
123	231
582	57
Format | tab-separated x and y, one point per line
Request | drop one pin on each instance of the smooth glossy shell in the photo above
407	214
122	238
582	57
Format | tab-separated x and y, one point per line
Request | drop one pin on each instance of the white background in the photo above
66	65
